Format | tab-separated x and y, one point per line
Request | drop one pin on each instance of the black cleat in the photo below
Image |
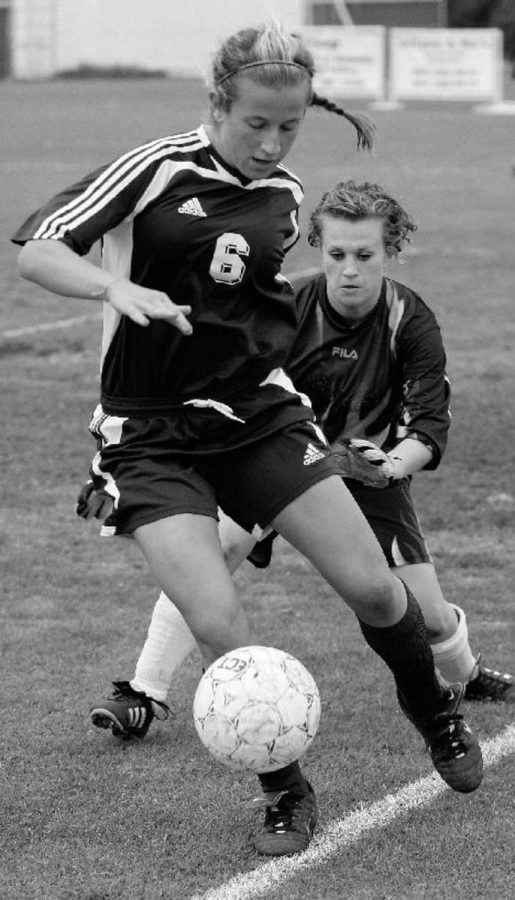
128	713
290	822
489	684
454	750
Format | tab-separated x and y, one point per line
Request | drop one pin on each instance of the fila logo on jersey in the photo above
312	455
192	207
343	353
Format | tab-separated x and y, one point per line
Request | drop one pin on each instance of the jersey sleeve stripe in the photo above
397	307
110	182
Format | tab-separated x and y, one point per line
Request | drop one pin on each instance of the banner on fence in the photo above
350	60
445	64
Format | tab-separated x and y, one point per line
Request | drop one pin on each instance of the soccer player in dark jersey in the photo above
196	411
368	352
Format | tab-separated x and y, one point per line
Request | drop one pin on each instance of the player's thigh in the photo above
185	554
439	615
327	526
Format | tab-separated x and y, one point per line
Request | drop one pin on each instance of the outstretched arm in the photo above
55	267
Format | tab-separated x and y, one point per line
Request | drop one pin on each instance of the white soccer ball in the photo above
256	709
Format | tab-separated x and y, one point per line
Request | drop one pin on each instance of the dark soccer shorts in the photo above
392	516
136	468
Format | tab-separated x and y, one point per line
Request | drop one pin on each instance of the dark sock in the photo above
406	651
288	779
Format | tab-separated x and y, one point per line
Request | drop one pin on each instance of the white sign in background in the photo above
445	64
350	60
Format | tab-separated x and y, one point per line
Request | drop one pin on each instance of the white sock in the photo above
169	641
454	658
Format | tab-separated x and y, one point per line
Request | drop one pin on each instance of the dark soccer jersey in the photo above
174	217
382	379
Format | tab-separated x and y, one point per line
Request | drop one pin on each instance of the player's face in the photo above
259	129
353	258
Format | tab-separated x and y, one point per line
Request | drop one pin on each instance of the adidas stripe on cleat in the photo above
128	713
454	750
490	685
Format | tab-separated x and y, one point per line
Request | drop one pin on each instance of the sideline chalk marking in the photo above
343	832
49	326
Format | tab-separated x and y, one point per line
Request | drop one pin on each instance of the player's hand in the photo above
364	461
91	504
142	304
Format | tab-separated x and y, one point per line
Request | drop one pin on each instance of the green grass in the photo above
86	817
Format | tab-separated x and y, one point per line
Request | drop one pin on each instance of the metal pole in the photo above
343	12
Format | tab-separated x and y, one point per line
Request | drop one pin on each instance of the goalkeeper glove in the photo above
365	462
93	505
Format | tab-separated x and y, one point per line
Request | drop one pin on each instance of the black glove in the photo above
93	505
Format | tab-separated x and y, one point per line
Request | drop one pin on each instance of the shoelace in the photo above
456	745
288	817
279	817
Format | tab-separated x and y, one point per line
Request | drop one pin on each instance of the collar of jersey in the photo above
220	161
343	324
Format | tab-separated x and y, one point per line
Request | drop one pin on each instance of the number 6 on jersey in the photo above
227	266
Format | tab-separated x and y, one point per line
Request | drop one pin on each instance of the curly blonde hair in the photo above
348	200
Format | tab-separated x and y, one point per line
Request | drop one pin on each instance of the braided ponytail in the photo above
365	127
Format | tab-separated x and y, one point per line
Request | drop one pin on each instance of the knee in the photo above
380	600
441	622
221	630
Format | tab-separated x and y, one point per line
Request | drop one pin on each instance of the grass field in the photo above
87	818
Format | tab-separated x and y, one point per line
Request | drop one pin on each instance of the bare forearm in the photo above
56	268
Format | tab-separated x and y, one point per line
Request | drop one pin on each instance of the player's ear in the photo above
215	108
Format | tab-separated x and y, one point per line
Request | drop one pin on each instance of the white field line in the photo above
80	320
48	326
343	832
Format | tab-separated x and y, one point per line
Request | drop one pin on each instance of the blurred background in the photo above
42	38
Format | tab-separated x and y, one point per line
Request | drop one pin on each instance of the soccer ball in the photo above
256	709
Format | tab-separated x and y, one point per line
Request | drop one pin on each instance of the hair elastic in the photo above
263	62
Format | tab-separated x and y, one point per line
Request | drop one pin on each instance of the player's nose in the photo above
271	144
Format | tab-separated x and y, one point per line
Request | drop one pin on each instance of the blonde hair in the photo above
271	56
349	200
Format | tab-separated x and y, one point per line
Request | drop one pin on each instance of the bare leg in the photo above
169	640
185	554
327	526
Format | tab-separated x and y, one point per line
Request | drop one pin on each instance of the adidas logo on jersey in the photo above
312	455
192	207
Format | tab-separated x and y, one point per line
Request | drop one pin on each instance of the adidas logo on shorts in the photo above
192	207
312	455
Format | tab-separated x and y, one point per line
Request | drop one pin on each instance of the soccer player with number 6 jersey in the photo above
196	411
